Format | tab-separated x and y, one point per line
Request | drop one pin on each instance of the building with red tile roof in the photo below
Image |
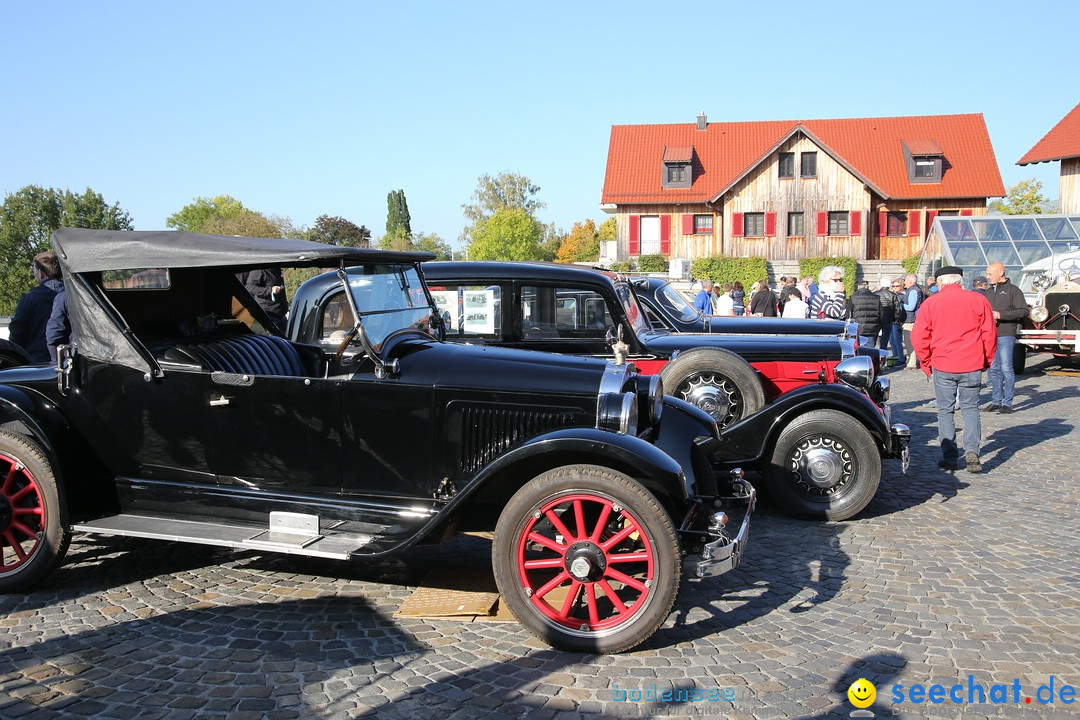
867	188
1062	143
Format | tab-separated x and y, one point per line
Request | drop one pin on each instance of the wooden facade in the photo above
742	189
1070	185
833	189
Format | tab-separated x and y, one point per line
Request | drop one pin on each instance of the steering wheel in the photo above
349	337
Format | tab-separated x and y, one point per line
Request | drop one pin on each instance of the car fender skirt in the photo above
639	459
750	438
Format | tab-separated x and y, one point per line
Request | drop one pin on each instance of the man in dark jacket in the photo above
268	288
890	315
864	307
1009	307
27	327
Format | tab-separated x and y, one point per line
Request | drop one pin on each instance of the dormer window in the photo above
925	160
678	167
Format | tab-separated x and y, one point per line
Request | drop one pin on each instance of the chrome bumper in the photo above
724	553
901	439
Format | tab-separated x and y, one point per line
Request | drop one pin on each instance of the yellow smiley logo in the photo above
862	693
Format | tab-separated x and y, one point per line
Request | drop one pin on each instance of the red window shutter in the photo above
930	215
665	234
882	224
913	223
736	225
687	224
635	240
855	223
770	224
822	224
965	213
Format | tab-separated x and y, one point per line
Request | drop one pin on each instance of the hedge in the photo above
812	266
747	270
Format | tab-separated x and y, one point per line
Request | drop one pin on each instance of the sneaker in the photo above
991	408
946	465
1005	409
972	460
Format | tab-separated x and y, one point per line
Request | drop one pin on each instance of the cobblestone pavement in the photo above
945	578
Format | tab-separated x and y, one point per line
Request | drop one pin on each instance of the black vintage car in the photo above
819	443
179	413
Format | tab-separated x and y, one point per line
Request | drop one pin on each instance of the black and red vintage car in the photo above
806	411
180	413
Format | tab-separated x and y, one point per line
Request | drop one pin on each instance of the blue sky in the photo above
300	109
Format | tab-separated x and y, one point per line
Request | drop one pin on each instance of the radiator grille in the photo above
489	432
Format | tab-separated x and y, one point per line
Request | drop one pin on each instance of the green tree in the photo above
398	221
607	230
509	234
247	224
339	231
27	220
505	190
1023	198
194	216
431	242
581	245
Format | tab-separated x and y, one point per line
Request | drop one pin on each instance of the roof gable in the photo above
870	148
1063	141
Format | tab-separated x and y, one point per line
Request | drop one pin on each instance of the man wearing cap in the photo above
955	339
1010	308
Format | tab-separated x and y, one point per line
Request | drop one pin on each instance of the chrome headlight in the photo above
650	394
618	412
879	391
858	372
1039	314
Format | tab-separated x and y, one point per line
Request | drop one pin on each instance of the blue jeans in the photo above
946	386
1002	377
896	342
868	341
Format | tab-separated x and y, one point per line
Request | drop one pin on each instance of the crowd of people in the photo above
951	334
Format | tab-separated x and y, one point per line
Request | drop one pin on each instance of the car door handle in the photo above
219	402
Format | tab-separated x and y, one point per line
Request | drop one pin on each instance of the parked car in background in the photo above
181	414
1053	321
818	444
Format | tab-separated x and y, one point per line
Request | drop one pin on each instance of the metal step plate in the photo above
275	538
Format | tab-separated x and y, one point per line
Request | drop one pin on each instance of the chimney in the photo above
702	121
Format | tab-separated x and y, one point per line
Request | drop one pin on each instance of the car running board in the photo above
290	533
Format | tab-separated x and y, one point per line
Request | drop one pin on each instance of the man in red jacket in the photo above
955	339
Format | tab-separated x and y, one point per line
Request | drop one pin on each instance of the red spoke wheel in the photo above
587	559
33	535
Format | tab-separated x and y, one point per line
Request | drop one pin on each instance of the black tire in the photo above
560	590
1019	358
11	355
718	381
825	466
33	515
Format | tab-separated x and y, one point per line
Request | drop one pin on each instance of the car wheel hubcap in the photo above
22	514
714	395
821	465
585	564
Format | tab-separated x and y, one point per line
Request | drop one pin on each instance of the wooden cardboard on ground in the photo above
454	593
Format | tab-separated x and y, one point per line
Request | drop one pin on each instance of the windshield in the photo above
676	303
633	311
389	298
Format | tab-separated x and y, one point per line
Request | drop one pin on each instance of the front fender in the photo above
639	459
751	438
23	414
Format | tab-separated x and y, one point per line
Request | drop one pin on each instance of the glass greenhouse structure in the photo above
1016	241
